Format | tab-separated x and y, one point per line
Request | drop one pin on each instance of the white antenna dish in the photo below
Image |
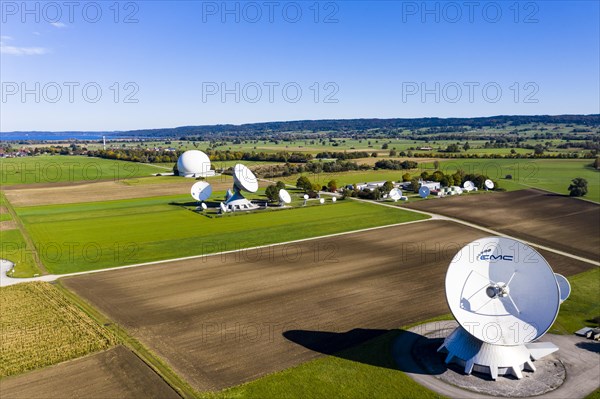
334	199
305	196
395	194
504	295
564	286
284	196
322	200
223	208
468	185
204	207
489	184
244	179
424	192
201	191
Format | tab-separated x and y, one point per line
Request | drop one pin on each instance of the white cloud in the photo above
58	25
3	38
14	50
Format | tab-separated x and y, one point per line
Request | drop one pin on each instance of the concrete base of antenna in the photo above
236	202
475	355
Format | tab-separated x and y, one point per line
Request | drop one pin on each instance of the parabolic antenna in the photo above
322	200
564	286
334	199
305	196
204	207
201	191
424	192
504	295
284	196
489	184
468	185
395	194
244	179
501	282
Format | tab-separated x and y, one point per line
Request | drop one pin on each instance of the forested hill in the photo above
358	125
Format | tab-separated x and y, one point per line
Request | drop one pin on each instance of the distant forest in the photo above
440	125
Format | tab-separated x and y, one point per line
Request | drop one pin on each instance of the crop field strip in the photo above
157	230
114	373
229	312
40	327
547	219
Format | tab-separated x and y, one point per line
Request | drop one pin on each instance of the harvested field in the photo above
70	193
543	218
116	373
219	321
8	225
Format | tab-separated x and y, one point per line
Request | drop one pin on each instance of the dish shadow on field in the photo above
374	347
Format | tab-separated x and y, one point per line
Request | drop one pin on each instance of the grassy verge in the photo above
77	237
14	248
582	308
40	327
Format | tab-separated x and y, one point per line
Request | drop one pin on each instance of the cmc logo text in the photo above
496	257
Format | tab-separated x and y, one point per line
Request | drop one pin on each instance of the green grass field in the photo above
14	248
76	237
58	168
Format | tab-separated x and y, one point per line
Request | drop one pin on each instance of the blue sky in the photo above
166	64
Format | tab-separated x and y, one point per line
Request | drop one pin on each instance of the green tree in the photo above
436	165
332	186
387	187
272	192
466	147
280	185
578	187
453	148
315	187
303	183
406	177
414	185
538	149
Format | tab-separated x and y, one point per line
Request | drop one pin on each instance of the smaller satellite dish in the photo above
396	194
284	196
322	200
424	192
223	208
333	199
305	196
468	185
201	191
489	184
459	190
564	286
244	179
204	207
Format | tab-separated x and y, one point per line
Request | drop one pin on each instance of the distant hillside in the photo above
333	125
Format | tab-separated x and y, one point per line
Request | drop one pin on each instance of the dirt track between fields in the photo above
551	220
218	321
68	193
116	373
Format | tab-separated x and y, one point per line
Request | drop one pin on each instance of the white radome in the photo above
194	163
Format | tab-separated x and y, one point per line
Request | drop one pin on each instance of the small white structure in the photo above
505	296
194	163
431	185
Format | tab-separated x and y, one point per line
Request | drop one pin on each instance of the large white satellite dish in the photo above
504	295
424	192
284	196
468	185
395	194
244	179
201	191
489	184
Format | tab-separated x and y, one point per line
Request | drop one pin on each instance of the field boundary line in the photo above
435	216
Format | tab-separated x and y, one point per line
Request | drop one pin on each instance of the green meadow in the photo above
63	168
77	237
